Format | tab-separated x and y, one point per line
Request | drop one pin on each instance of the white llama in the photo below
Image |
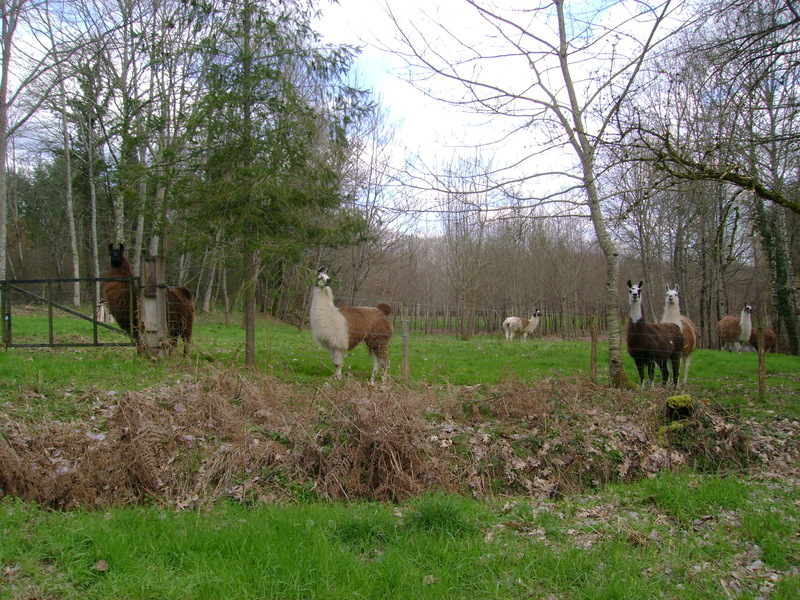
343	328
734	332
672	314
514	325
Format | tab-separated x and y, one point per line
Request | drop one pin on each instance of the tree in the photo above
727	112
29	62
581	63
269	132
465	223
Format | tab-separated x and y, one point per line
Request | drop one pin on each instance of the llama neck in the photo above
672	313
746	327
636	311
321	298
124	270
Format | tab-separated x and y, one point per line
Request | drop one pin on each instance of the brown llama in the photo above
339	329
123	303
770	340
180	317
652	344
121	297
734	332
672	314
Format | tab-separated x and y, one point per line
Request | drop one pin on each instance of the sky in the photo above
438	131
426	126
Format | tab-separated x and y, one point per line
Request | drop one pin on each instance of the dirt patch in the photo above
252	438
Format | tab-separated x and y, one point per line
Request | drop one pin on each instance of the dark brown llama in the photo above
180	317
652	344
121	297
123	303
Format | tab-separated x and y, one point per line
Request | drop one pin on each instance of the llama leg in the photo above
640	370
662	366
377	363
384	358
338	360
686	362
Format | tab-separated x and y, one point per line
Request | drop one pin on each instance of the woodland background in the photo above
228	136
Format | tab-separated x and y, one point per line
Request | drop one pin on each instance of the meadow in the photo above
709	530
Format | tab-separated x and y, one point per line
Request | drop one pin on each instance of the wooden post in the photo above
153	305
593	331
406	336
762	365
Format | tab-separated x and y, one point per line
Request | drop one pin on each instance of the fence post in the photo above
5	301
406	336
762	365
153	305
593	331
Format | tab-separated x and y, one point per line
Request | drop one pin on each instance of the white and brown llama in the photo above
651	344
339	329
672	314
519	325
733	332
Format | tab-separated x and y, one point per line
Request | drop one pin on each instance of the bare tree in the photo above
580	63
727	112
23	65
465	223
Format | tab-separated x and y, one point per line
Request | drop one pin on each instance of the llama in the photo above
123	303
734	332
770	340
514	325
341	329
121	298
180	317
672	314
652	344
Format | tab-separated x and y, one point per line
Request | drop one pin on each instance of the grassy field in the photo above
681	534
291	355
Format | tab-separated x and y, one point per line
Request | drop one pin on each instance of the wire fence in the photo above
422	317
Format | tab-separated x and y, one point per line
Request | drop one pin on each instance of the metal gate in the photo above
32	301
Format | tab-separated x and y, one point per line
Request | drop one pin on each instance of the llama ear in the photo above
122	247
111	247
630	285
320	270
677	288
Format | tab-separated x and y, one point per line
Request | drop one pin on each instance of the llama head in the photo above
323	280
672	295
537	313
748	308
635	292
117	255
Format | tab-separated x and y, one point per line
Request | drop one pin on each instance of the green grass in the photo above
291	355
35	329
636	541
680	535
